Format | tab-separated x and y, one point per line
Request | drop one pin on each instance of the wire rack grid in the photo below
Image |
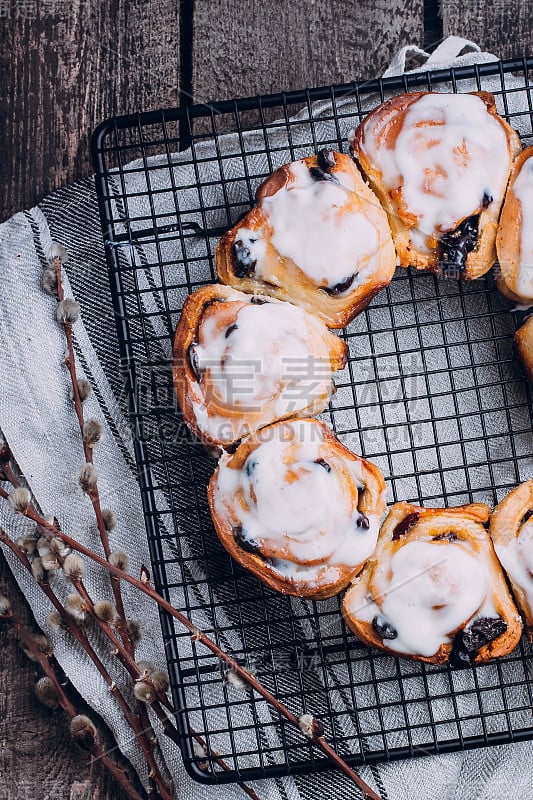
431	393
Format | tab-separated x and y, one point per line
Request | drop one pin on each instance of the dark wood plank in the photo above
64	67
503	27
257	47
38	760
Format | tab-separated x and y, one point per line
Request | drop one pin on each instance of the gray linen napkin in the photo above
37	419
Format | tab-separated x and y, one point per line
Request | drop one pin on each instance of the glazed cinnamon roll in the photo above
514	241
317	237
297	508
434	590
524	346
241	362
511	529
439	163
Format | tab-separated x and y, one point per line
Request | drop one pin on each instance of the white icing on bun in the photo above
297	508
240	365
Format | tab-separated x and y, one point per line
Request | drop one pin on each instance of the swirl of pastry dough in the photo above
433	589
511	529
242	362
439	163
514	241
297	508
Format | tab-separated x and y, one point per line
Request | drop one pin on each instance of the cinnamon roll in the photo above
434	590
511	529
241	362
524	346
514	241
297	508
317	237
439	164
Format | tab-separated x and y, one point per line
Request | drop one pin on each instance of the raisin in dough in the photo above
434	590
297	508
439	163
242	362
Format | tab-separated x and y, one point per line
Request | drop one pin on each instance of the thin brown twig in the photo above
94	494
136	722
68	707
80	636
198	636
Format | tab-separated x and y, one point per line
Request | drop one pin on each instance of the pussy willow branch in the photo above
145	739
95	749
316	738
79	635
94	494
139	721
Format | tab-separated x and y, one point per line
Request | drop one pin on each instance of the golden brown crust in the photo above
226	518
505	525
467	523
524	346
225	302
390	116
508	239
288	282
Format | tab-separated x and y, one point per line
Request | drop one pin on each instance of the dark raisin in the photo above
232	447
362	522
455	246
244	266
459	656
319	175
192	358
466	643
325	159
258	301
487	199
250	466
482	631
525	518
405	525
449	536
341	287
323	464
230	330
383	628
246	544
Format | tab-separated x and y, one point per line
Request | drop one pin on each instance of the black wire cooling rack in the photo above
431	394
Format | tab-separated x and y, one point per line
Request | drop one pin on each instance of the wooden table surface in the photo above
65	65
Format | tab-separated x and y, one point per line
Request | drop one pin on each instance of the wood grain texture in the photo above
38	760
503	27
257	47
64	67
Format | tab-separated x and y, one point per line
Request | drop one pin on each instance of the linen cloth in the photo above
37	419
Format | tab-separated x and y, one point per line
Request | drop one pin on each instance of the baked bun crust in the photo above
524	346
511	529
514	242
317	237
242	362
439	164
434	590
297	508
